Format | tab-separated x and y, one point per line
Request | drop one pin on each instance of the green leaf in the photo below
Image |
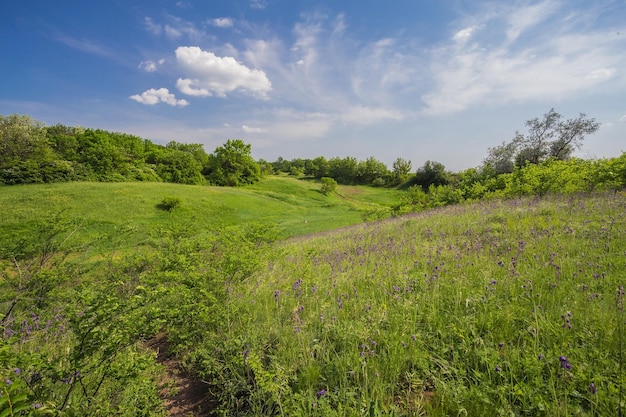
20	407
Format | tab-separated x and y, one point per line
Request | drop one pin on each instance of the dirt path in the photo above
183	394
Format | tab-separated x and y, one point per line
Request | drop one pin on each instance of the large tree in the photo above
431	173
548	137
231	164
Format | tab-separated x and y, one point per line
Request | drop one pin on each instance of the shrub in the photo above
170	203
329	185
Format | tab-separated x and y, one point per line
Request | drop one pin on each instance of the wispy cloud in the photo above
222	22
175	28
258	4
87	46
530	63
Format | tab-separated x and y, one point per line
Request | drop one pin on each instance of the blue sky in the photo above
423	80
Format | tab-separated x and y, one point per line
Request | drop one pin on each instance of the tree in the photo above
500	159
552	138
400	170
370	170
343	170
232	165
432	173
22	139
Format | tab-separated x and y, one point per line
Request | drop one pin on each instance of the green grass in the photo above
464	310
129	210
460	311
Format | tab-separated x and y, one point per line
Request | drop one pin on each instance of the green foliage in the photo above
400	171
431	173
329	185
547	138
232	165
434	315
170	203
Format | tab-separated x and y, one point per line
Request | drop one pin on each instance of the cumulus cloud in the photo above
155	96
222	22
211	75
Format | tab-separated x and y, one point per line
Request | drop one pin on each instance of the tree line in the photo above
537	161
33	153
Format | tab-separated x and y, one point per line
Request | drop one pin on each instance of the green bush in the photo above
329	185
170	203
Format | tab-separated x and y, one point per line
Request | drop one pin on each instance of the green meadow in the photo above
285	302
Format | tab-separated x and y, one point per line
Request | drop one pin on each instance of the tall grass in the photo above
498	308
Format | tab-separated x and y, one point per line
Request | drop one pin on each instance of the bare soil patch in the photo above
183	394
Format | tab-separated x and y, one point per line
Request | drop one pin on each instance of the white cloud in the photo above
601	74
222	22
369	115
162	95
552	63
212	75
623	119
258	4
521	19
464	34
172	32
152	27
248	129
150	66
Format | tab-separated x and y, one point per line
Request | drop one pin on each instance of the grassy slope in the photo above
294	206
459	311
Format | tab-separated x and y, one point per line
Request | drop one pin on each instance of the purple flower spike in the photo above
593	389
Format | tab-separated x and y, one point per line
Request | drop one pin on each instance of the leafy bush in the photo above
170	203
329	185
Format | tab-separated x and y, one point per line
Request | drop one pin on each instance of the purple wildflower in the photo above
565	362
276	295
8	381
593	389
321	393
498	369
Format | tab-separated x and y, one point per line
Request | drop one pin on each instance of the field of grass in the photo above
498	308
129	210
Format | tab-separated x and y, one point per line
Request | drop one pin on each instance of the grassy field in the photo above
129	210
498	308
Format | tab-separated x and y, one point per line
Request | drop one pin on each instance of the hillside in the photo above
128	211
503	307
